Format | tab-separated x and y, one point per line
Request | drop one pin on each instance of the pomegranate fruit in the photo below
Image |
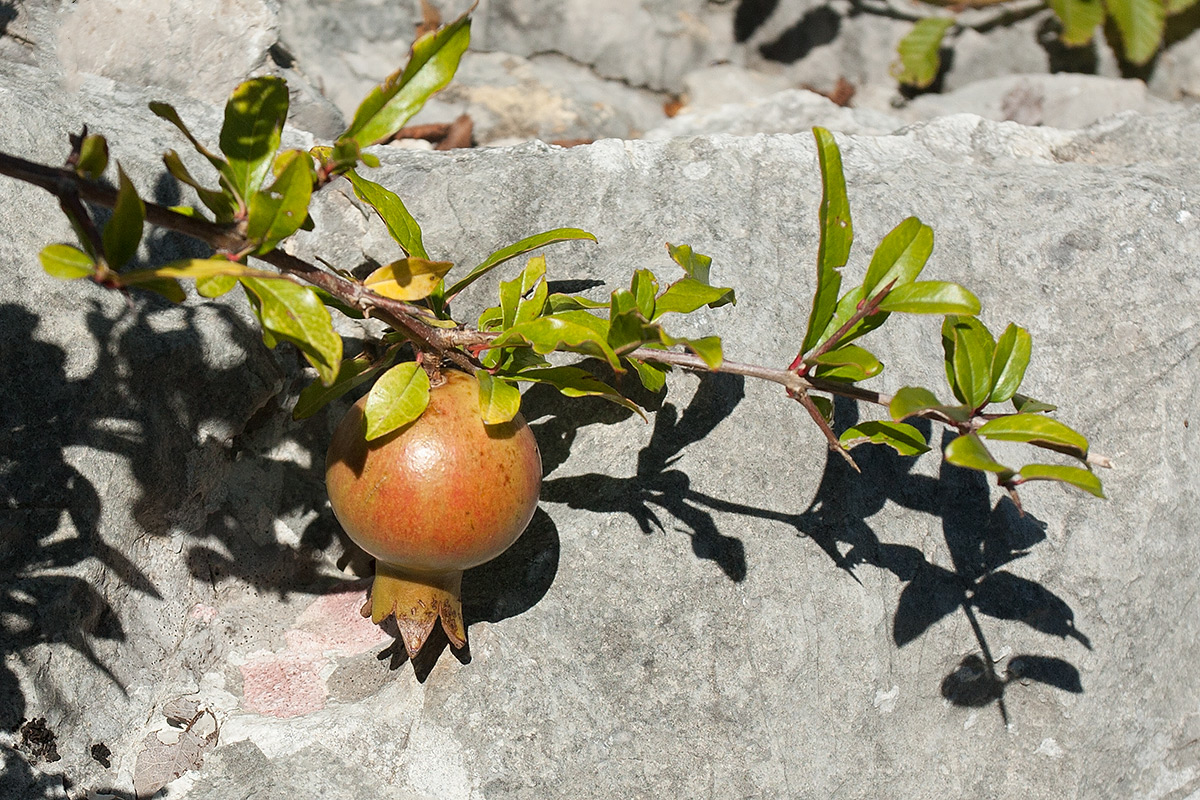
440	495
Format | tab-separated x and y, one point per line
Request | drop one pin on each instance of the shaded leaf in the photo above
688	294
167	111
254	117
848	362
968	451
904	439
1079	19
93	157
295	314
66	261
408	279
900	257
397	398
1027	405
123	233
930	297
912	400
569	302
920	52
652	376
499	400
433	62
1013	350
1038	430
390	208
1178	6
1141	24
159	763
278	212
1076	476
694	264
514	250
351	373
837	234
218	203
576	382
824	407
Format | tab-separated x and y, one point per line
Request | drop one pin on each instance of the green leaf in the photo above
397	398
688	294
644	287
837	234
219	203
707	347
919	52
351	373
913	400
846	308
1079	19
195	269
900	257
969	451
66	262
499	400
905	439
334	302
1036	429
846	363
652	376
1076	476
390	208
695	265
514	250
254	117
1141	24
569	302
576	382
627	328
930	297
278	212
575	331
215	285
824	406
1178	6
515	306
93	157
1027	405
969	349
1013	350
434	60
166	287
407	279
295	314
167	111
123	233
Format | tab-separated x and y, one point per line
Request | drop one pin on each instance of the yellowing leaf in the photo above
407	279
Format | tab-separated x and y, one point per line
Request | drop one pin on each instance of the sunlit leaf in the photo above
1036	429
66	261
694	264
390	208
1013	350
215	285
390	105
930	297
688	294
569	302
254	117
196	269
524	297
913	400
707	347
904	438
576	331
1079	19
407	279
969	451
837	234
920	52
652	376
351	373
1178	6
848	362
969	348
123	233
1076	476
514	250
295	314
644	288
900	257
499	400
576	382
1141	24
846	308
93	157
397	398
278	212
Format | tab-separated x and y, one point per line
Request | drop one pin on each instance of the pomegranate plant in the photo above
434	470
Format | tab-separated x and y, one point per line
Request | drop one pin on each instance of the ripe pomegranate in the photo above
440	495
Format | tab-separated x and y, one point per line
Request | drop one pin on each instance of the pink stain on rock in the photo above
289	683
284	685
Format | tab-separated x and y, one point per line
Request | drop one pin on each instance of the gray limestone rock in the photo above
705	605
